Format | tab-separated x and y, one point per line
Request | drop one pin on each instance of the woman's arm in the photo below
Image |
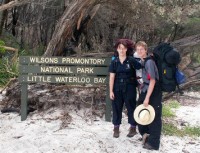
149	92
111	85
137	65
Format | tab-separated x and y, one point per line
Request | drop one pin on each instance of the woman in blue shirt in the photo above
123	85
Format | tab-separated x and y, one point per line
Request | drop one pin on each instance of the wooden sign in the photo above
62	79
65	60
65	70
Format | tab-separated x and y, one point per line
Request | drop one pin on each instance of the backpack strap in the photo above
114	60
145	61
143	66
153	59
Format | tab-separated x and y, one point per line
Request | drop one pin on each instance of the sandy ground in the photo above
42	134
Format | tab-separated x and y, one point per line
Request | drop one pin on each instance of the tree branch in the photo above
13	4
10	48
182	87
21	2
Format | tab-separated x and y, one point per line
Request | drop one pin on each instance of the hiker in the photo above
151	94
123	85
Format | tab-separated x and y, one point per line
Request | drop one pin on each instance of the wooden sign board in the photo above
65	70
64	60
63	79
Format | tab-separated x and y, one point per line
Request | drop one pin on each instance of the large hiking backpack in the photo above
167	59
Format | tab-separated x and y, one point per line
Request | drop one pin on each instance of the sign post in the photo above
24	98
68	70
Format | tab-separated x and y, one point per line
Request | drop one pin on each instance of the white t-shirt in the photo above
138	72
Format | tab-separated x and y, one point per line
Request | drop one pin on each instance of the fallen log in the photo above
185	86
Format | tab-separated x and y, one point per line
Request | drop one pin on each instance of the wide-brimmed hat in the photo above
144	115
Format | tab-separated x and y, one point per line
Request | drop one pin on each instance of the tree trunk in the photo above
3	17
68	23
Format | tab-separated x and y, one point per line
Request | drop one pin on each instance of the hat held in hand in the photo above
144	115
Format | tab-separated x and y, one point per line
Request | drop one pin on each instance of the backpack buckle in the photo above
121	80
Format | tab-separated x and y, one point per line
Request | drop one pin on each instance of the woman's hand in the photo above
111	85
136	65
146	102
112	96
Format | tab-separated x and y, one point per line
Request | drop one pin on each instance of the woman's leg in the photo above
130	102
117	107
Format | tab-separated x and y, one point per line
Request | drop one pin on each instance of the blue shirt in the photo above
126	69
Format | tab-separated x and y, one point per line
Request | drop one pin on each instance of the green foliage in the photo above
167	112
192	131
9	65
174	104
194	21
196	56
9	60
167	109
9	40
8	69
190	27
170	129
26	51
40	50
2	49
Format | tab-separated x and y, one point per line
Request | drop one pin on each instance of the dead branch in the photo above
80	19
7	84
191	97
188	41
182	87
13	4
94	10
195	74
75	86
10	48
8	71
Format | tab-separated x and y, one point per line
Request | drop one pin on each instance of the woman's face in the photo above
121	49
142	53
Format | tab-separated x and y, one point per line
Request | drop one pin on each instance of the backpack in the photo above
180	77
166	59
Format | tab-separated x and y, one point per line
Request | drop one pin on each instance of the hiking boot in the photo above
149	147
145	138
116	132
132	132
